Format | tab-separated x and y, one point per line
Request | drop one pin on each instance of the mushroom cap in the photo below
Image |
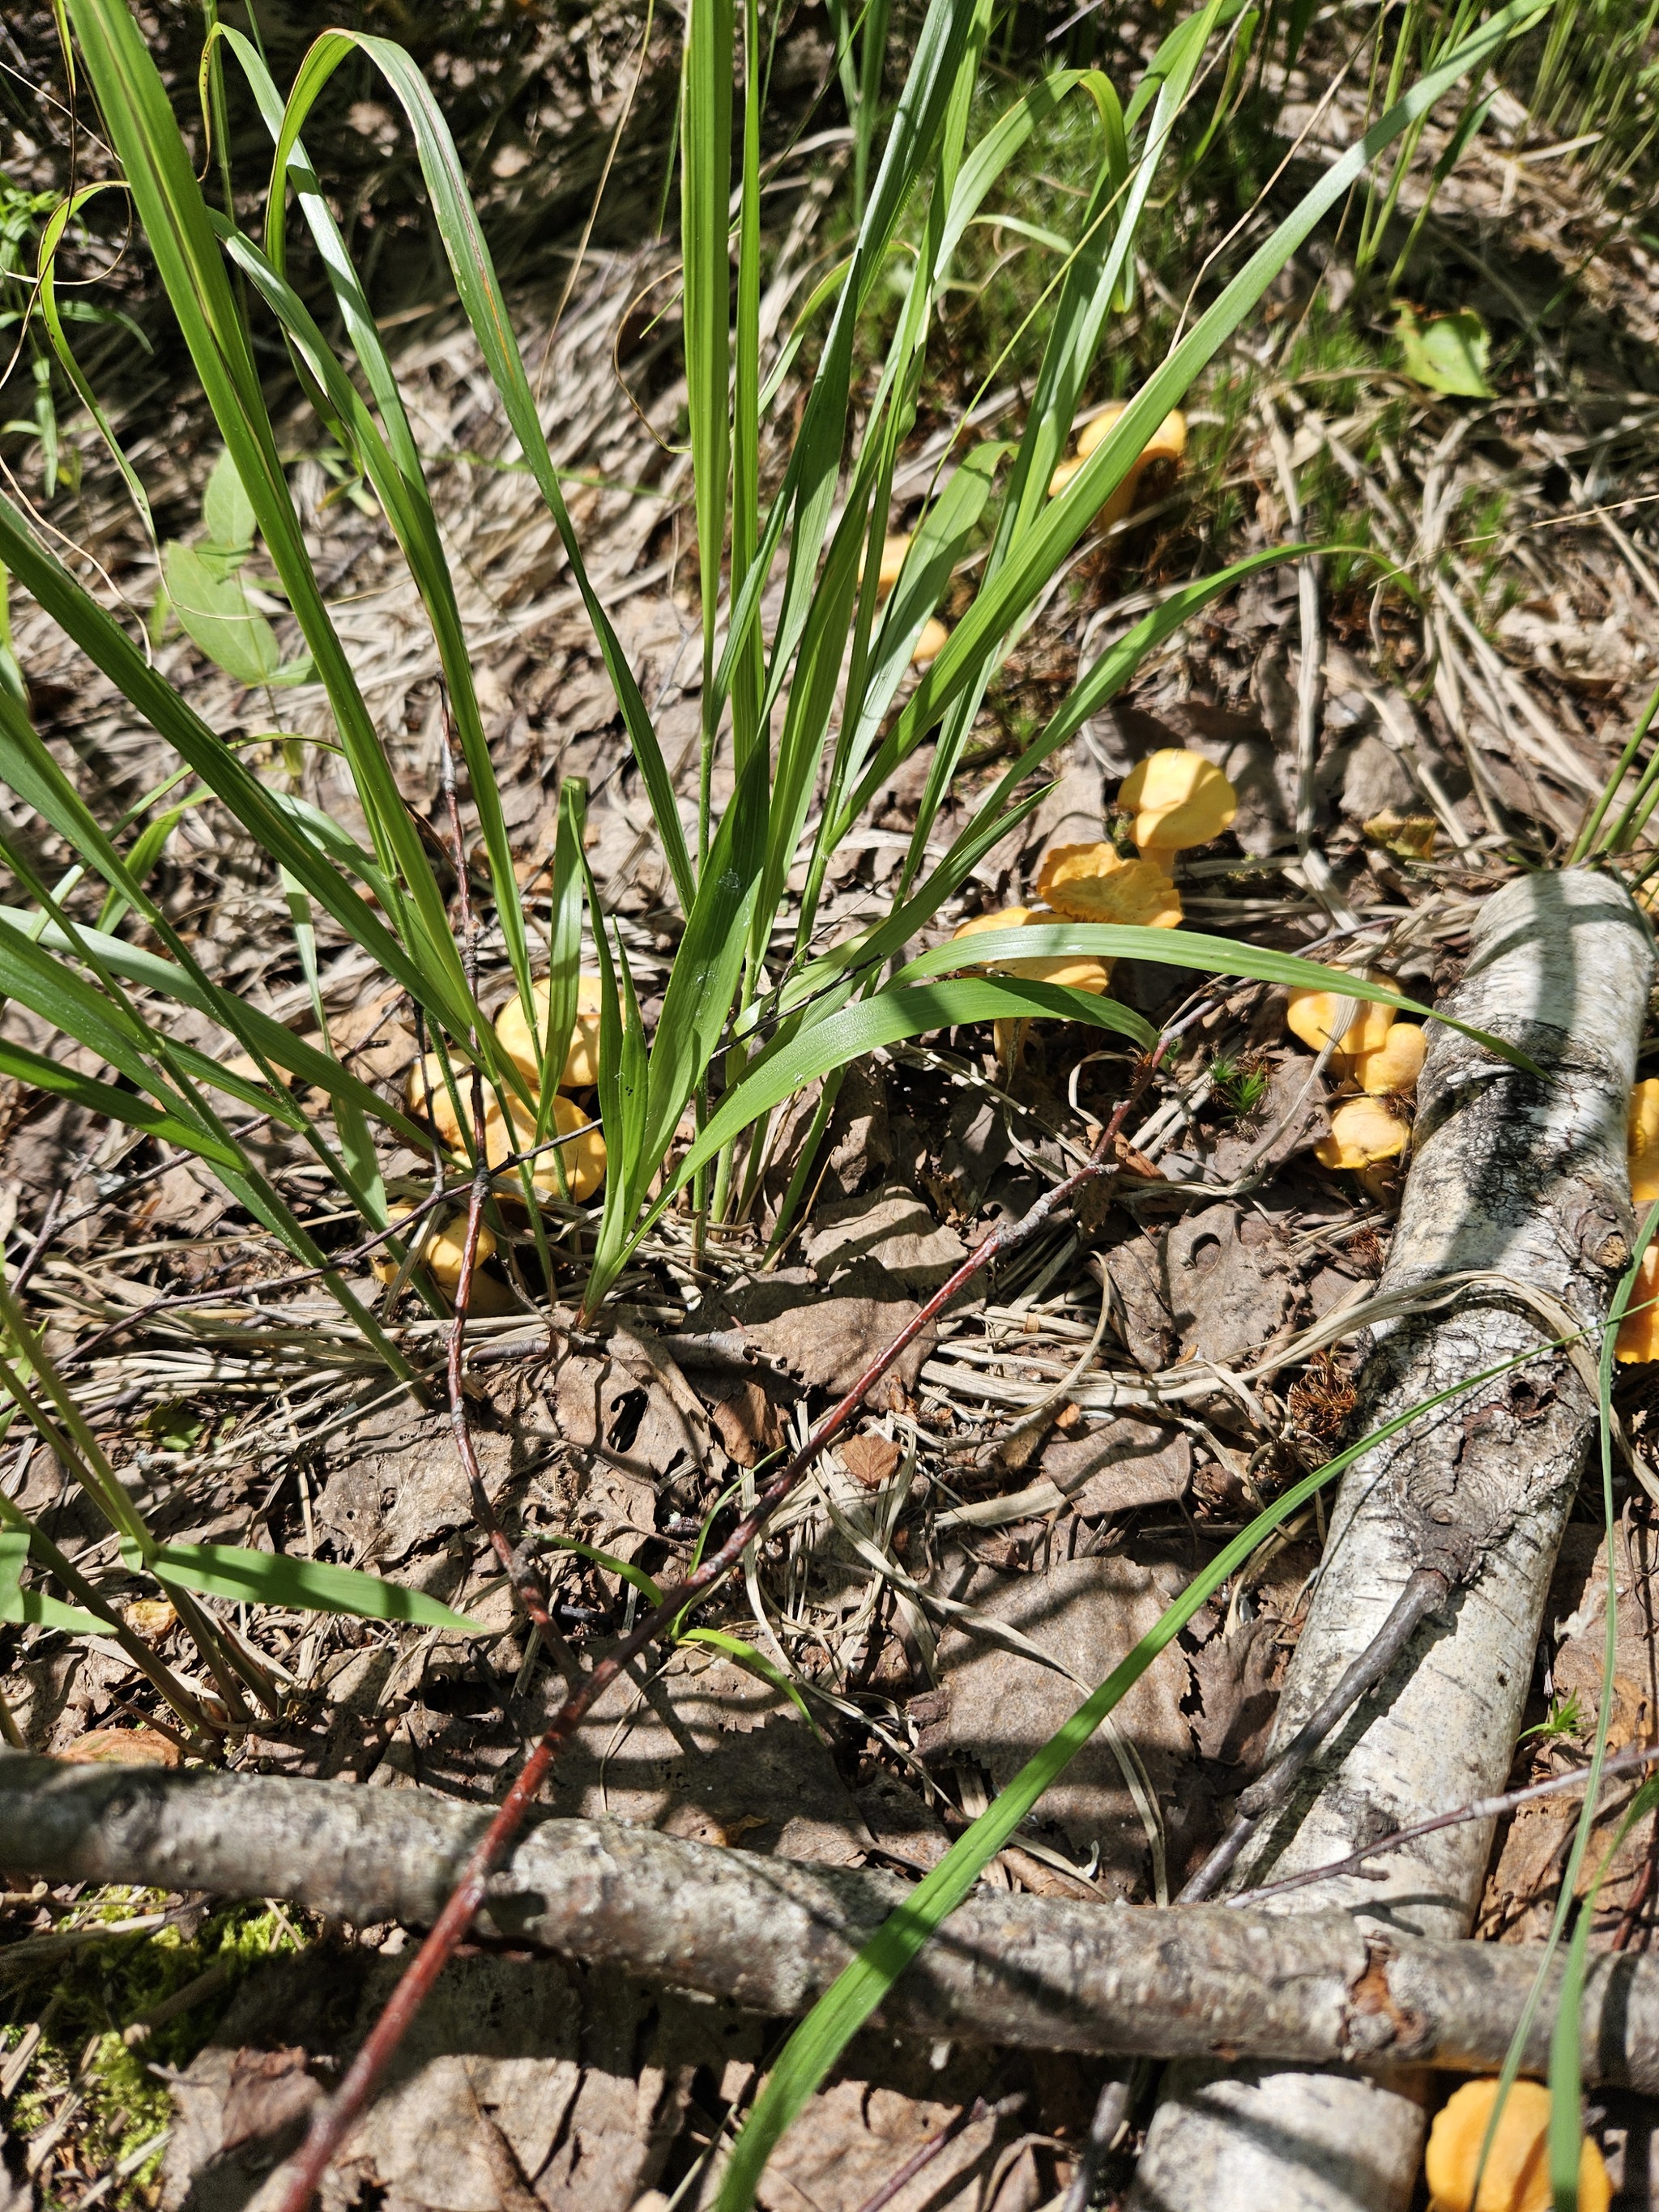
1167	443
1178	798
1312	1015
1516	2178
1641	1141
583	1159
581	1061
1010	917
443	1252
1637	1341
427	1094
935	634
1063	474
1362	1132
1396	1063
1094	882
1079	971
894	550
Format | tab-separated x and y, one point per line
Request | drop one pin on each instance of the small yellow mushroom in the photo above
1396	1064
894	551
1641	1141
427	1094
1637	1341
150	1616
441	1253
583	1159
1177	799
932	642
1079	971
1093	883
1167	443
1313	1016
581	1061
1516	2174
1363	1132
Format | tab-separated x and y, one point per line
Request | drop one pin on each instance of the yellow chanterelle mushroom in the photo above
1516	2177
1637	1340
1395	1065
1314	1016
427	1094
1079	971
581	1061
583	1157
1167	443
1363	1132
1641	1141
1178	798
935	636
441	1255
1093	883
894	551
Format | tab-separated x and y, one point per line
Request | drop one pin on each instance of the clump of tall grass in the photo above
758	1004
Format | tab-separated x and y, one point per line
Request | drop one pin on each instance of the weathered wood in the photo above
1526	1179
771	1935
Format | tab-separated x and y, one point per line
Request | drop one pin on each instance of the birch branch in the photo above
1511	1176
770	1934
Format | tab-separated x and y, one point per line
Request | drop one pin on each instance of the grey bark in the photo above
1527	1179
771	1935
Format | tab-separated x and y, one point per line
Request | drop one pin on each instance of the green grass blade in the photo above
705	254
227	1570
1040	550
480	294
28	1608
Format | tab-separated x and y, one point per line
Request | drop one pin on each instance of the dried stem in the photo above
1426	1593
1480	1809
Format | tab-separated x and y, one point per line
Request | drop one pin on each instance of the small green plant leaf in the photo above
214	612
1449	353
227	509
273	1578
32	1607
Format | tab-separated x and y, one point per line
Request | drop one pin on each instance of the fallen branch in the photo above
1515	1176
771	1935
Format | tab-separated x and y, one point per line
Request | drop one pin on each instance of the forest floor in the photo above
1050	1464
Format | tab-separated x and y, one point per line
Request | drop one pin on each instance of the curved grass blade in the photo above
227	1570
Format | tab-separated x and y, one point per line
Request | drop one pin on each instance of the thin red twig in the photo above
333	2120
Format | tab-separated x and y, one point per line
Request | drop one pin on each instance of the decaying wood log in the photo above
1526	1180
771	1934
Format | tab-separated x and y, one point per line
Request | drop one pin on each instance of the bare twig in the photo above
1426	1593
1481	1809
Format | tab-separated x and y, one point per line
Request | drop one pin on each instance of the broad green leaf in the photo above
1182	948
303	1585
1449	353
227	509
213	611
887	1018
127	1107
